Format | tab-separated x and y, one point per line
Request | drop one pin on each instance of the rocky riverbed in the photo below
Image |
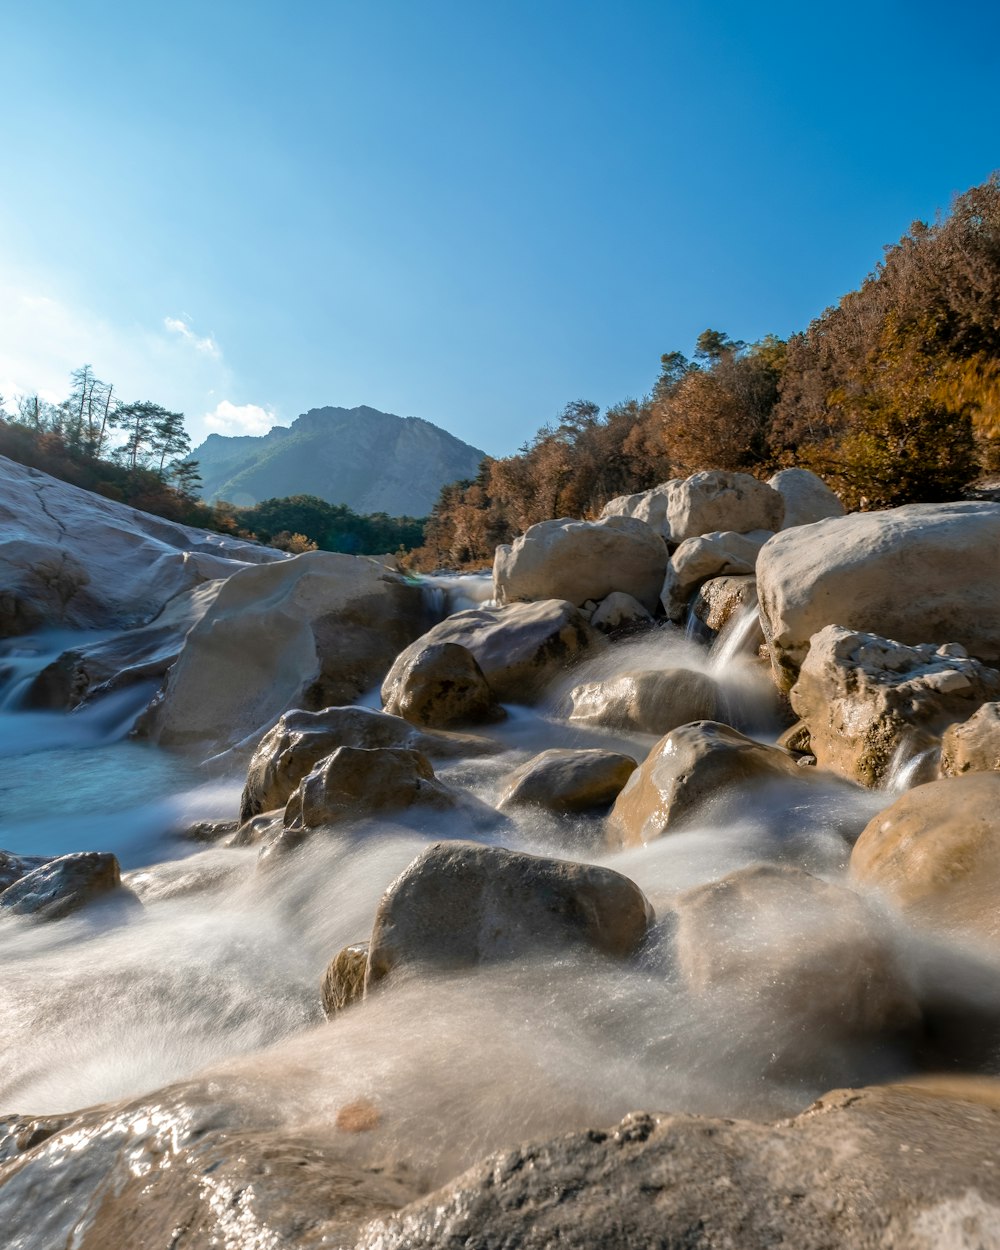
643	894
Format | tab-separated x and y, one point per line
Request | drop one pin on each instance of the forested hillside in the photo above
892	395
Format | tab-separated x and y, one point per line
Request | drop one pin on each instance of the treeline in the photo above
893	396
138	453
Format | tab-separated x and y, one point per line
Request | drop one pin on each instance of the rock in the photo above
461	904
71	559
14	867
972	746
315	630
648	505
344	979
710	502
710	555
906	1167
646	701
521	648
811	959
568	780
63	885
869	702
581	560
299	740
721	598
935	855
439	684
356	782
180	878
618	612
683	770
807	497
894	572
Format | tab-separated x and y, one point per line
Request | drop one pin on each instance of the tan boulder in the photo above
618	612
439	684
813	960
869	702
707	556
522	647
807	497
650	506
581	560
344	979
972	746
935	854
563	780
312	631
706	503
924	573
460	904
299	740
651	701
684	769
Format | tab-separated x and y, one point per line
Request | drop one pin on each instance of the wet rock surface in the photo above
565	780
973	745
64	885
439	685
646	701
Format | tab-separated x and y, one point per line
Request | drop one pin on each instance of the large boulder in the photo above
807	497
581	560
522	647
61	886
921	573
973	745
710	555
812	961
690	765
316	630
710	502
869	702
460	904
650	506
935	854
880	1168
565	780
297	743
652	701
74	560
439	684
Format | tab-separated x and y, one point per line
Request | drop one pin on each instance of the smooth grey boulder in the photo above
707	503
894	1167
565	780
618	612
315	630
710	555
439	684
581	560
921	573
460	904
292	749
13	867
869	702
807	497
651	701
63	885
522	647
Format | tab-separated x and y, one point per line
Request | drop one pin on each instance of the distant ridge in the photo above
372	461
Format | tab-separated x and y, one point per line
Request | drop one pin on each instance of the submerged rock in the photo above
581	560
460	904
439	684
63	885
563	780
935	855
895	572
652	701
868	701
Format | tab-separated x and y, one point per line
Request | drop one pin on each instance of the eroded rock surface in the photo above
973	745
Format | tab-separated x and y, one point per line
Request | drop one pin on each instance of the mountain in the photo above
372	461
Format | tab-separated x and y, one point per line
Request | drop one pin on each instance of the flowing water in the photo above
219	972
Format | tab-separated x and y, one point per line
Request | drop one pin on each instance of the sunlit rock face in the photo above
715	501
708	556
973	745
807	497
72	559
918	574
312	631
439	684
647	701
581	560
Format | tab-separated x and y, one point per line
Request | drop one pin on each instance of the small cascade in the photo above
446	594
910	768
740	637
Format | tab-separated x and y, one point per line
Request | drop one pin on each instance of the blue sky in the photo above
466	211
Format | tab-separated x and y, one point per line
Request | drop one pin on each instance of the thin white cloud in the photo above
207	345
230	418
